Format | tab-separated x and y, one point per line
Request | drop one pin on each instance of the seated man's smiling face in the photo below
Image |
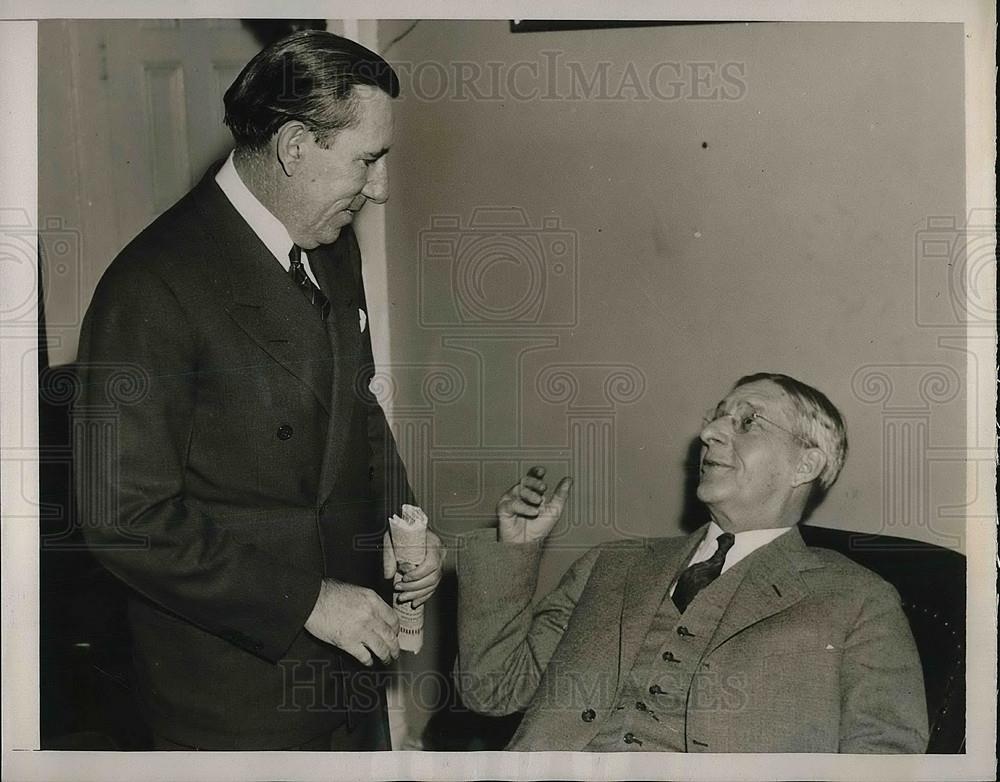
749	465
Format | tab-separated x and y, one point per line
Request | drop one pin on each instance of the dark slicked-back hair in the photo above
817	421
308	76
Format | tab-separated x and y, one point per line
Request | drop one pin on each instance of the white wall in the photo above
789	243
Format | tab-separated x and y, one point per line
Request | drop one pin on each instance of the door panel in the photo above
165	81
130	117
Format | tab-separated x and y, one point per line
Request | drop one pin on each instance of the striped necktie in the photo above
298	272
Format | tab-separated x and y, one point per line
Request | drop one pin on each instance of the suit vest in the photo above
655	696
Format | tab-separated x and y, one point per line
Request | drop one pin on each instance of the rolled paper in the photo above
388	558
408	540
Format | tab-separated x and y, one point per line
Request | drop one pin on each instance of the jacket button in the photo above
589	715
371	473
285	432
630	738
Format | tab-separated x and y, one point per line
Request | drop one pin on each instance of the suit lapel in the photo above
772	584
261	298
646	587
337	269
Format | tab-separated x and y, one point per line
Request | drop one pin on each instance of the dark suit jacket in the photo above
819	649
229	455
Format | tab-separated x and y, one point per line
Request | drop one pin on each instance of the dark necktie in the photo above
700	575
316	297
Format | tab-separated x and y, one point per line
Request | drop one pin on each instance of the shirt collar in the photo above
744	543
269	229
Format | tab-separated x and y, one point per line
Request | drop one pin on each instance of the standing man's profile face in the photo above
750	461
327	186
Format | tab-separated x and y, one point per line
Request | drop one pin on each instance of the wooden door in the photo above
165	82
130	117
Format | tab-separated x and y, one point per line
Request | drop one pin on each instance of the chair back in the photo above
931	584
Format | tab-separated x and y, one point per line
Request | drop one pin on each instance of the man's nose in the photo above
377	187
716	431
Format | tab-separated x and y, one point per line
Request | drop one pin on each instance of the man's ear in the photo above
289	145
811	464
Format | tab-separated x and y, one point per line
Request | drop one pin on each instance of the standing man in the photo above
736	638
233	468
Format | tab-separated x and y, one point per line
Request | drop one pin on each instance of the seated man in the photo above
735	638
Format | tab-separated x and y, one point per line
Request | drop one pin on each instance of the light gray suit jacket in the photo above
817	648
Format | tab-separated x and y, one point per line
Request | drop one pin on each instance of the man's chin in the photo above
707	492
328	236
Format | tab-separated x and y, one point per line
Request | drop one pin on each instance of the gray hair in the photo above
817	421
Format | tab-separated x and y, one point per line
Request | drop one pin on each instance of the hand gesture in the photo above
523	512
356	620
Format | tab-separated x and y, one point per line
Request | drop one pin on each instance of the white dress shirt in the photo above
269	229
744	544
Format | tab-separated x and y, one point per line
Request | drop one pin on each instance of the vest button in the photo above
655	690
684	632
589	715
669	657
285	432
640	706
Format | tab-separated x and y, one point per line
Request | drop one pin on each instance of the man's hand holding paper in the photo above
419	582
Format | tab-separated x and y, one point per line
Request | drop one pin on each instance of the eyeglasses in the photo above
745	419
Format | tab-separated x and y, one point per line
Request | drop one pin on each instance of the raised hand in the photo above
356	620
523	512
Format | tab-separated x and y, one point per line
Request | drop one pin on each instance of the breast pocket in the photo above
801	641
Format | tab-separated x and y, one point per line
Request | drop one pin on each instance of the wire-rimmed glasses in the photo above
744	418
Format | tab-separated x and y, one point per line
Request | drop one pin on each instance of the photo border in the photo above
19	545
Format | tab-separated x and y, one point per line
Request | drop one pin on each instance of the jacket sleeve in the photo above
883	708
504	641
132	423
